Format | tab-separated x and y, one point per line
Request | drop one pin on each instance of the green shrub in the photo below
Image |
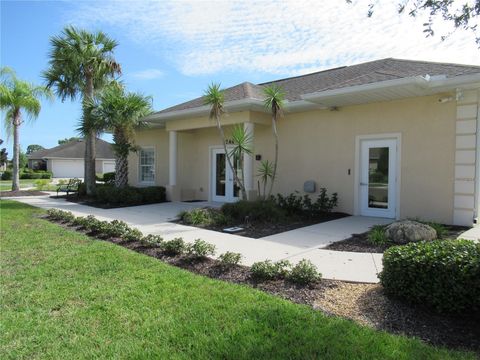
60	215
80	221
442	274
37	174
203	217
200	249
109	178
174	247
377	236
42	184
99	228
253	211
295	204
117	229
109	194
152	240
304	273
132	234
439	228
229	259
7	175
268	270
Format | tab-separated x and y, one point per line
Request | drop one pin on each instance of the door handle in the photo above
363	184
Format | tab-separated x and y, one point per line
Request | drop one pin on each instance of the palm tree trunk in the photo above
90	139
121	171
16	151
235	176
274	174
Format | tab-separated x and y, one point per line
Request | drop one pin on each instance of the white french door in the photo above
223	183
378	178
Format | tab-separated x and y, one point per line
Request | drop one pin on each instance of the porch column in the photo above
172	158
248	164
173	192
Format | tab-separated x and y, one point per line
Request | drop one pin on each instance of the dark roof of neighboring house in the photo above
74	149
345	76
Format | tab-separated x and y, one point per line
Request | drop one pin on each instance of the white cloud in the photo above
279	37
148	74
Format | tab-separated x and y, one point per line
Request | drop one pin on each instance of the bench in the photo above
71	187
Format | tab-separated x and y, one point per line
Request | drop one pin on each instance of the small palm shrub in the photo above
151	240
377	236
442	274
200	249
229	259
304	273
174	247
268	270
439	228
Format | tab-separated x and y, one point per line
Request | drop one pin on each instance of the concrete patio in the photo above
293	245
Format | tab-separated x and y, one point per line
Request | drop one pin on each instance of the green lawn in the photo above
67	296
6	185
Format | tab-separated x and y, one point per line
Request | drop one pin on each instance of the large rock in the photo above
406	231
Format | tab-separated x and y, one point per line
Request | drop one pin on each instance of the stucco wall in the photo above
158	138
320	145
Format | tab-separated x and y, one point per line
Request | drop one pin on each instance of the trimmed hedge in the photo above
28	174
109	194
442	274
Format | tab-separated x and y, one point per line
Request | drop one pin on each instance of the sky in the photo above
172	50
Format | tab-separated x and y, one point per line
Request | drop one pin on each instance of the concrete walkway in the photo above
471	234
292	245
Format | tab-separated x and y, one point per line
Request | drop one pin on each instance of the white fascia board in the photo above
235	105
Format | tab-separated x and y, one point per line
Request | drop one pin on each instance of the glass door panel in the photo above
378	177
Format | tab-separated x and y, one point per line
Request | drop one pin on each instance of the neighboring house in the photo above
67	160
394	138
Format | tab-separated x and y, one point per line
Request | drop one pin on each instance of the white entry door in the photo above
223	184
378	178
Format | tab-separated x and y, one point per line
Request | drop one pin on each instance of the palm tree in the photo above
18	97
120	113
215	98
274	98
81	63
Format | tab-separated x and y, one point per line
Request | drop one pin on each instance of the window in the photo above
147	165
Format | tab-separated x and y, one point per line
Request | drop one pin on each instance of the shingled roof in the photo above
74	149
341	77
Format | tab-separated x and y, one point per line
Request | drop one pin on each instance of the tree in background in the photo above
81	64
462	16
274	97
66	140
18	97
120	113
22	160
3	155
34	147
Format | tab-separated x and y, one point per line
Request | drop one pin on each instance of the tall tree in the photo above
120	113
214	97
3	155
18	97
274	98
82	63
34	147
66	140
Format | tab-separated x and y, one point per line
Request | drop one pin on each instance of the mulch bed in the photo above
363	303
259	230
92	202
360	243
22	193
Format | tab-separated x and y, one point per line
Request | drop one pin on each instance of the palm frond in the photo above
274	99
215	98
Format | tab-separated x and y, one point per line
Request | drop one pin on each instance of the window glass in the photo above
147	165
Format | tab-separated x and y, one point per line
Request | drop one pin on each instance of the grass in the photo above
65	295
6	185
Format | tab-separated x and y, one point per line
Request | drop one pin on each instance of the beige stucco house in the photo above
394	138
